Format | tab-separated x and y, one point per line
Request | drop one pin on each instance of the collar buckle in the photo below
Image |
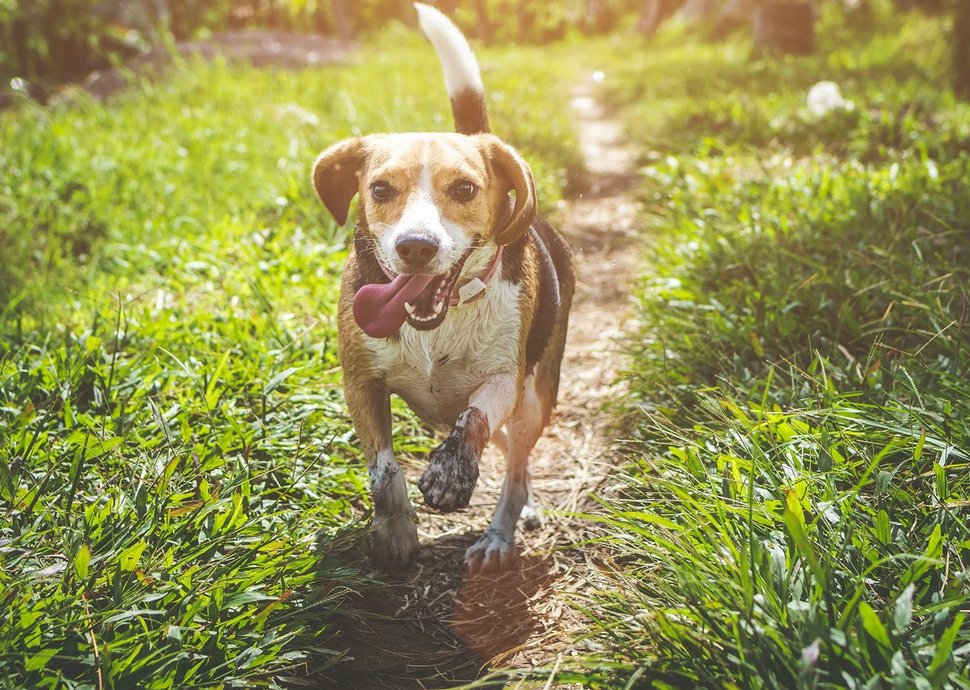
471	291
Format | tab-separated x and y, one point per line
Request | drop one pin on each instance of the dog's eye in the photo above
382	191
463	190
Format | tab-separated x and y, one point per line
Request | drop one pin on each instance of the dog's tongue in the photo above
379	308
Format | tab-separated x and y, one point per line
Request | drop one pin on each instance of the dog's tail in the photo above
462	76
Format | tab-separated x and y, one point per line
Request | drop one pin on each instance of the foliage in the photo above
795	513
58	40
181	497
49	39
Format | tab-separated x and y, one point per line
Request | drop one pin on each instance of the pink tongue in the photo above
379	308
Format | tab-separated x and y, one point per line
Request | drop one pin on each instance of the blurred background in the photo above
44	41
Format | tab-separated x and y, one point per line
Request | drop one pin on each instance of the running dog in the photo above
455	297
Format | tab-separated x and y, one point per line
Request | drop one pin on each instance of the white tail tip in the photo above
457	59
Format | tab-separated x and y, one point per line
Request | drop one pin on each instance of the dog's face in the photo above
426	201
428	198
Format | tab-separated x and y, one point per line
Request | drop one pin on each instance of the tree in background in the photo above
961	50
653	13
784	27
53	41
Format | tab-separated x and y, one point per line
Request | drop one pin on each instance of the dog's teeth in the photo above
438	306
409	309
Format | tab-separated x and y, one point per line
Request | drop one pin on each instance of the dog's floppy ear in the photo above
336	175
515	175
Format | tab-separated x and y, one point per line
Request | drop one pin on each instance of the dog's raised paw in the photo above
451	476
491	553
452	471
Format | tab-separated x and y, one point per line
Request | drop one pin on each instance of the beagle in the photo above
456	298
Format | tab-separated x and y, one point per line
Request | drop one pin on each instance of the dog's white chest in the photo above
436	371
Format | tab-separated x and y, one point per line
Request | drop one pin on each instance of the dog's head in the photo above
428	200
446	191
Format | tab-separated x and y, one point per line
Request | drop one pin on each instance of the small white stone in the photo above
825	97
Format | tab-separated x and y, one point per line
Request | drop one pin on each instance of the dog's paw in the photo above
530	517
452	471
394	543
491	553
451	476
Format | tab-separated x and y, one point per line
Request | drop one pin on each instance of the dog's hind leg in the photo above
394	542
496	548
500	440
530	517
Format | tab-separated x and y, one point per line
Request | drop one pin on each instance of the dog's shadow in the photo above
493	615
441	626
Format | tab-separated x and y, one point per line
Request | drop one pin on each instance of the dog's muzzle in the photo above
380	309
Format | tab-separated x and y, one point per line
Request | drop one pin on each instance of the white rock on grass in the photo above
825	97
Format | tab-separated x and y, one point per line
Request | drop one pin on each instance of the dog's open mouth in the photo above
428	309
420	299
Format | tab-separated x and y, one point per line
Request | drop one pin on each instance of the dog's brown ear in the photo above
336	175
515	175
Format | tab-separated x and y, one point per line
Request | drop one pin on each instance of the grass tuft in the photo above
795	509
182	502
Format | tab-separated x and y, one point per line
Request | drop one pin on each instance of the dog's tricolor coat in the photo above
456	298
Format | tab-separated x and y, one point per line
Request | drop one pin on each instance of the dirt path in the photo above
443	625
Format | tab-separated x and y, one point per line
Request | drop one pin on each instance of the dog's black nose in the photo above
416	250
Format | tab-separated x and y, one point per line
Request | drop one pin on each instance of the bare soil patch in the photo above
443	625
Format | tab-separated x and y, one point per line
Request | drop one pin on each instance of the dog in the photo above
455	297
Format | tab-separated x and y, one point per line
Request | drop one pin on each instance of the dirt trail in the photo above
443	626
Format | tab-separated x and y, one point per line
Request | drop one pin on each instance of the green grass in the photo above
181	497
796	506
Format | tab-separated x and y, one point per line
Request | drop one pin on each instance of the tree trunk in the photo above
784	27
961	50
341	19
733	15
484	26
652	14
697	11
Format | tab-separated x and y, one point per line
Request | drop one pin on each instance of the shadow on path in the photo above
441	627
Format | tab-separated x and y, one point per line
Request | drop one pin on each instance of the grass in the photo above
796	506
182	500
181	497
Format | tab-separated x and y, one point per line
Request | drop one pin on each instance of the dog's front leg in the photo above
452	472
394	543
